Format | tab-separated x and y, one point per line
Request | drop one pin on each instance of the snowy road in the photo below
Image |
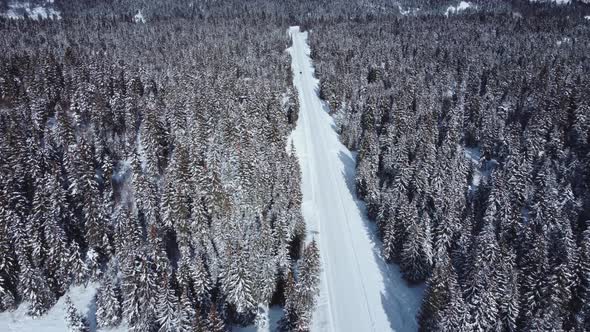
359	291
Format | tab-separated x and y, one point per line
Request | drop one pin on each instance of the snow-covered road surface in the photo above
360	292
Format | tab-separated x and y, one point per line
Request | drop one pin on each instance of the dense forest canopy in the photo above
152	158
474	159
143	148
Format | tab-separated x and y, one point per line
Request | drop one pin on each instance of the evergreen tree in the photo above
301	297
33	288
482	282
236	283
187	315
7	269
416	259
583	313
56	237
77	267
214	322
108	304
455	315
139	293
290	308
438	297
75	321
167	309
200	279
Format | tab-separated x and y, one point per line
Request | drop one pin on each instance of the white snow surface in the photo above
463	5
54	319
559	2
474	156
587	17
273	316
359	291
138	18
564	40
17	10
409	11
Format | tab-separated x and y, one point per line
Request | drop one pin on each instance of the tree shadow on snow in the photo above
400	300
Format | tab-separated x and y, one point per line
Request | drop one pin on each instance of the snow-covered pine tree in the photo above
93	265
8	273
508	292
236	284
128	231
64	132
563	278
188	318
183	271
167	309
389	240
54	232
108	303
145	192
290	308
265	275
416	257
534	265
34	289
368	163
74	320
214	322
583	307
454	316
151	150
86	188
308	280
139	292
201	280
282	235
436	297
482	286
78	271
300	298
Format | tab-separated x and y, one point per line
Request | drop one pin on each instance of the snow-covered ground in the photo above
359	290
138	18
564	40
275	313
408	11
54	320
18	10
559	2
474	156
463	5
482	168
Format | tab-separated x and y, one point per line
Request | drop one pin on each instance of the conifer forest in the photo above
314	165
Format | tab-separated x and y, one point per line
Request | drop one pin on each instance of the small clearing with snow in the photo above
482	168
409	11
138	18
273	315
463	5
564	40
559	2
54	320
20	10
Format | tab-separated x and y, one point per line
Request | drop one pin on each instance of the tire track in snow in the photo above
359	291
304	149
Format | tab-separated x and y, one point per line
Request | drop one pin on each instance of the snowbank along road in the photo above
359	290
